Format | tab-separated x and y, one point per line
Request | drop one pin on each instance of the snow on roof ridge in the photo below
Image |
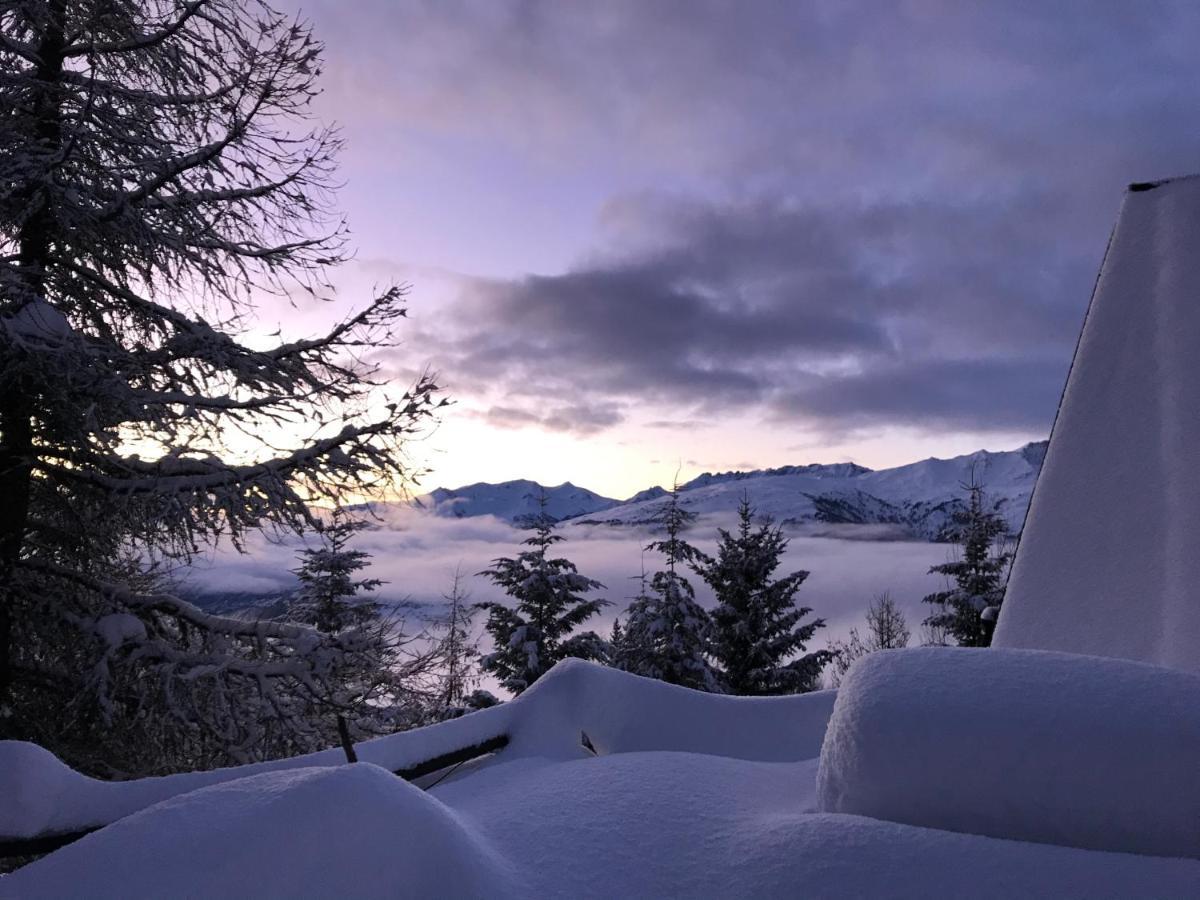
1110	572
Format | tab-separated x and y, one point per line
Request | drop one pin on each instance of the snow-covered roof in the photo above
1109	561
688	794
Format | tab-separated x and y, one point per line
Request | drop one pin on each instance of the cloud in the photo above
835	216
580	418
912	314
417	553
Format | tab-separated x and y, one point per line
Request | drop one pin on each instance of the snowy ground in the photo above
690	795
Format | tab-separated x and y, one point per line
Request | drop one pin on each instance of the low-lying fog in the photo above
417	553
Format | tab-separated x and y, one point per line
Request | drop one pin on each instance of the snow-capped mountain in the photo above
515	500
919	498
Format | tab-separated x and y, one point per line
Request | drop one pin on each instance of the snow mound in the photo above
1108	563
618	712
34	785
1028	745
623	713
354	830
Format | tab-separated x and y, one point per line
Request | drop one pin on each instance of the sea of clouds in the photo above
416	554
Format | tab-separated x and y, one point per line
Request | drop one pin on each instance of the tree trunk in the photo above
17	407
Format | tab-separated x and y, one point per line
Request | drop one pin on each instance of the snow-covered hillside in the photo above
918	499
515	500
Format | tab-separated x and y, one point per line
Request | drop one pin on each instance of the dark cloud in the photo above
928	314
579	418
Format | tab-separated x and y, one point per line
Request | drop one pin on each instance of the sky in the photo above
643	238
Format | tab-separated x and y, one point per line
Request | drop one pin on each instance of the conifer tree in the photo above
537	631
158	177
668	635
383	686
758	636
967	610
330	597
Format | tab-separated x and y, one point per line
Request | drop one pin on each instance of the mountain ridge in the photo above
919	498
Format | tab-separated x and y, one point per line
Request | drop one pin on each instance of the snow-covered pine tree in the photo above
887	629
381	688
667	634
758	637
330	597
157	177
535	633
967	611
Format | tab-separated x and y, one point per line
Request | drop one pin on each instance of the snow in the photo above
918	498
1027	745
691	795
354	830
514	500
1108	564
620	713
117	628
39	321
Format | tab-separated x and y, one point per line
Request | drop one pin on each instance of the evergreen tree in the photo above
967	611
330	597
389	683
887	629
535	633
667	634
758	634
157	176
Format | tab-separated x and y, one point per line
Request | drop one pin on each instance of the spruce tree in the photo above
379	689
158	177
330	597
967	611
758	635
536	632
667	634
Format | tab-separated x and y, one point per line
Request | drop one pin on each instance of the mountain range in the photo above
916	500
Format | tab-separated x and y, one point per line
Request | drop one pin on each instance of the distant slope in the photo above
919	498
515	500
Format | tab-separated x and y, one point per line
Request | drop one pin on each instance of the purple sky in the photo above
643	235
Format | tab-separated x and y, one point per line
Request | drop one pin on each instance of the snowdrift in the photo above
1108	563
690	795
1079	751
330	832
618	712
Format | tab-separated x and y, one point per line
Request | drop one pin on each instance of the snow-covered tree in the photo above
387	685
158	176
967	610
667	634
536	632
331	595
887	629
758	635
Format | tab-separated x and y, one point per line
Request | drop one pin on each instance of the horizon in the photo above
569	482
